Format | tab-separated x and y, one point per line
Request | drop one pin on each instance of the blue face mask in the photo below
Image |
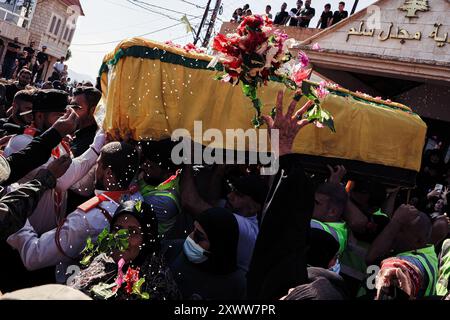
193	251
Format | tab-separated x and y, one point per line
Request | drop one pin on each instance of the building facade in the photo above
50	23
395	49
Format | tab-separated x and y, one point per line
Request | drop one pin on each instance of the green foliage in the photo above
137	289
106	242
138	206
322	116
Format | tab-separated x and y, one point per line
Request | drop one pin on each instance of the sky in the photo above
107	22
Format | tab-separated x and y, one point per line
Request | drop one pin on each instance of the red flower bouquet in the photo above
256	54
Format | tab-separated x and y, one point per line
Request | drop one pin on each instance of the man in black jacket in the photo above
17	206
279	259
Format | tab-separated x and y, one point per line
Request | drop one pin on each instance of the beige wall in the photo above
57	47
10	31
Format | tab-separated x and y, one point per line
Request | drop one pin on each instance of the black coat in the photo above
279	257
33	156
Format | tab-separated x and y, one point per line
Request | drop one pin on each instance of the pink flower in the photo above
303	58
321	91
319	125
119	280
316	47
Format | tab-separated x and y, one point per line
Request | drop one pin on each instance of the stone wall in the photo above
57	47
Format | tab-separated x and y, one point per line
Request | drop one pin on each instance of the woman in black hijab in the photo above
142	254
205	265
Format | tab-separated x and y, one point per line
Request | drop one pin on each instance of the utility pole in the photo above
212	22
354	7
197	36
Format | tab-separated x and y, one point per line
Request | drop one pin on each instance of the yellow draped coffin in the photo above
150	89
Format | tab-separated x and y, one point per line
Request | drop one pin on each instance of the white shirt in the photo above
248	232
46	215
59	67
39	252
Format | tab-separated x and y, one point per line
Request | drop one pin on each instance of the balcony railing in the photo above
17	12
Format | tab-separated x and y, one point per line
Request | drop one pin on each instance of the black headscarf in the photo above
149	227
222	230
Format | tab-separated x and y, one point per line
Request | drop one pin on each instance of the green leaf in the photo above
86	260
257	105
289	83
249	91
273	113
137	286
145	296
138	206
103	235
257	122
219	77
322	116
311	96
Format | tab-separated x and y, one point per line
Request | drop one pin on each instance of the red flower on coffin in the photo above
226	45
251	23
299	75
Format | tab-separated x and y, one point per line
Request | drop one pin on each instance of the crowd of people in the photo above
74	198
26	66
300	16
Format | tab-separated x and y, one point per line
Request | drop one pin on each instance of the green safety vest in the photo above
380	213
353	260
444	270
338	230
428	259
170	189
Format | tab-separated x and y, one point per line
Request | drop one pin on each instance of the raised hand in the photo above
336	174
405	214
67	124
59	166
289	124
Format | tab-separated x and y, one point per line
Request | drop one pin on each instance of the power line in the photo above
193	4
115	41
162	8
142	35
150	10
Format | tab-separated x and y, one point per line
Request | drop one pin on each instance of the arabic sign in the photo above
402	34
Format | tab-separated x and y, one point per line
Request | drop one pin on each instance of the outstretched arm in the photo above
190	198
18	205
382	245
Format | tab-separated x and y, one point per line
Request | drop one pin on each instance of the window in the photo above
55	25
68	34
69	29
18	12
52	25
